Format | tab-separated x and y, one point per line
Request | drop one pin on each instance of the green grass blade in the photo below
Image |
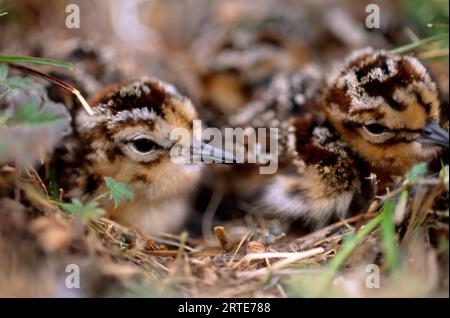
345	252
388	237
428	40
34	60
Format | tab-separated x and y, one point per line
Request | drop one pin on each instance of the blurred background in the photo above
217	52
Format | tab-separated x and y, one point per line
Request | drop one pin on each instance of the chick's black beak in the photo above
433	134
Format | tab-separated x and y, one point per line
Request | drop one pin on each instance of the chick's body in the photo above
379	114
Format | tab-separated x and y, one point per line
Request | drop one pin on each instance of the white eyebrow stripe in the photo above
135	114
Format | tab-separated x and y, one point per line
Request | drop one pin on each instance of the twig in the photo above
420	212
174	243
173	253
177	237
183	238
244	238
290	258
223	239
281	272
57	82
276	239
211	209
326	230
281	290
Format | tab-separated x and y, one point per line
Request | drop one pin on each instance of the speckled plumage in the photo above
327	151
103	145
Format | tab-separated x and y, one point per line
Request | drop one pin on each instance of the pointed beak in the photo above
212	154
434	135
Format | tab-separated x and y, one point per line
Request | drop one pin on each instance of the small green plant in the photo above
388	237
384	221
85	212
118	191
29	113
30	128
9	84
430	22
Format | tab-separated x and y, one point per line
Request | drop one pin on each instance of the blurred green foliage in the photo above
430	11
9	84
85	212
422	14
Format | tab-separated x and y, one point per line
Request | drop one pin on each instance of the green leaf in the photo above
82	211
34	60
388	237
417	171
29	113
118	191
3	71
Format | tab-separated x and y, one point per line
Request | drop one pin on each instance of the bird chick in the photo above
128	139
386	108
378	114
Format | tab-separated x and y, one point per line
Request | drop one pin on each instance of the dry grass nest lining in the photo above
226	267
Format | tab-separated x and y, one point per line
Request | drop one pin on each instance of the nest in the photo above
238	261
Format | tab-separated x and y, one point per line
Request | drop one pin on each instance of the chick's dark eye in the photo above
376	129
144	145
